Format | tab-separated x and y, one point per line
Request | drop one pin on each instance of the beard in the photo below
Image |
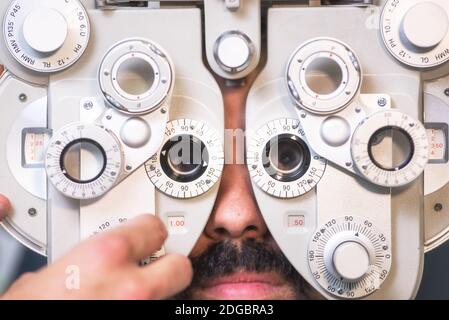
226	258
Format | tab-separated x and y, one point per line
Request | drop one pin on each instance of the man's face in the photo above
236	257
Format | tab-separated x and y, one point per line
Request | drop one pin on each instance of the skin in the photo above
108	262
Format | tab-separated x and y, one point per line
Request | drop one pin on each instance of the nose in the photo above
236	215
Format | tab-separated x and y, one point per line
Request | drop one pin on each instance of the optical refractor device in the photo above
110	108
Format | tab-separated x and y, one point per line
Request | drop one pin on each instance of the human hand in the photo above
5	206
106	267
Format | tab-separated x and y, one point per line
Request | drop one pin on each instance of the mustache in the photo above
226	258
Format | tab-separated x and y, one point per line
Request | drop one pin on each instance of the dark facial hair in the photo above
226	258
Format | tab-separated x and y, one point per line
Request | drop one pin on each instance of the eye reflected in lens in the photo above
286	158
184	158
391	148
83	161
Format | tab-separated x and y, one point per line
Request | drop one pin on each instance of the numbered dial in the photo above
281	163
349	257
416	32
323	76
83	161
107	225
190	162
46	35
390	148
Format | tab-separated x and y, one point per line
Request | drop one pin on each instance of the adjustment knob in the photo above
351	260
46	36
416	32
233	51
349	257
45	30
425	25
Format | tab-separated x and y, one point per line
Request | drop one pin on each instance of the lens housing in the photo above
184	158
286	158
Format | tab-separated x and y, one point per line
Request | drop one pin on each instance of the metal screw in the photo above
23	97
349	164
32	212
254	166
438	207
446	92
129	168
164	110
358	109
108	117
88	105
303	115
382	102
208	181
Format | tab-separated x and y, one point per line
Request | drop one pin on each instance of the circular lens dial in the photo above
349	257
280	161
136	76
190	161
46	35
323	76
416	32
83	161
399	161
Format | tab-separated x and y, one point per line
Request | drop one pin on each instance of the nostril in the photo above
224	233
221	232
251	228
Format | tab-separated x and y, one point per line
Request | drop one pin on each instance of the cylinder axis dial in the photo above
349	257
83	161
406	157
280	161
416	32
190	161
46	35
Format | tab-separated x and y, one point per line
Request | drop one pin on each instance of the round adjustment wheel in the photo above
190	161
36	26
430	33
390	148
83	161
46	35
323	76
349	257
416	32
136	76
233	51
280	161
351	260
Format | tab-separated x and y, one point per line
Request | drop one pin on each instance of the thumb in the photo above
5	206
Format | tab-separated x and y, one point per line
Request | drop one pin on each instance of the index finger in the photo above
141	236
